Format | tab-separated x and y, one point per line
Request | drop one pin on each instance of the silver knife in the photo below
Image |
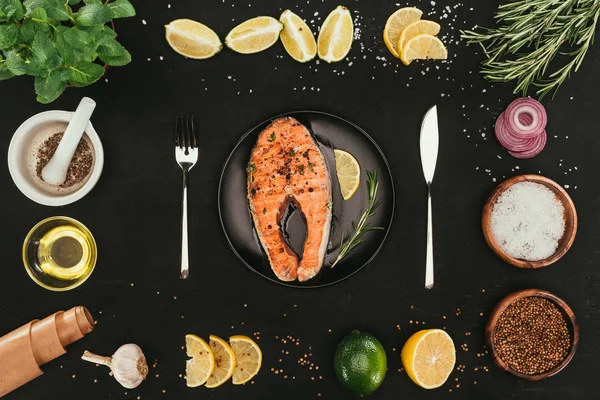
430	142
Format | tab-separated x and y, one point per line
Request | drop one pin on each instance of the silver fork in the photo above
186	154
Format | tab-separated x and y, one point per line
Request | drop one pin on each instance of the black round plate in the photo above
331	132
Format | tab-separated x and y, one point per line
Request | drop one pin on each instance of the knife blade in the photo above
429	144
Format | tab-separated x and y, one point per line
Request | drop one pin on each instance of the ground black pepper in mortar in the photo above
81	163
532	336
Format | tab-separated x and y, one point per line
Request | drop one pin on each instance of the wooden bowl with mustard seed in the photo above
532	334
569	215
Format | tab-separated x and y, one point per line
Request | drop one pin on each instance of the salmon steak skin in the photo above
287	166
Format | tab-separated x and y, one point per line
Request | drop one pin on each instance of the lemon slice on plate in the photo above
396	24
348	172
202	362
417	28
248	358
297	38
224	362
429	357
254	35
336	36
192	39
423	47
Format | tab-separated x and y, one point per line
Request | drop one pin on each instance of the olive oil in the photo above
65	253
59	253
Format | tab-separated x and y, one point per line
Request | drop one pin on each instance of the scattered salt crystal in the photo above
527	221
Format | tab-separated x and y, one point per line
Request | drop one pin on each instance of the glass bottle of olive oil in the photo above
59	253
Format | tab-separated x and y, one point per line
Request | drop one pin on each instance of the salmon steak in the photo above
287	167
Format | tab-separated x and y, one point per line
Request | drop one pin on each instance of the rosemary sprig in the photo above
529	35
362	226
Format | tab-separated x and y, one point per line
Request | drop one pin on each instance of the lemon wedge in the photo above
336	35
192	39
348	172
417	28
202	362
428	357
396	24
297	38
248	358
423	47
254	35
224	362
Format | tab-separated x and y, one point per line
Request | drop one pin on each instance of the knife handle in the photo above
429	258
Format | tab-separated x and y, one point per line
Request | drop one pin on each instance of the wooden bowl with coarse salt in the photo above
569	217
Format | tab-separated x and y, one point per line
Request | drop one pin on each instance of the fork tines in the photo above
185	132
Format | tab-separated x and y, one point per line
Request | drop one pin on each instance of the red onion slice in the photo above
508	141
534	151
526	118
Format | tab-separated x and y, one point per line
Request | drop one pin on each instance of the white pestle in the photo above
55	172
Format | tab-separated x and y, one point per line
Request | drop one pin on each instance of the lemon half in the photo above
428	357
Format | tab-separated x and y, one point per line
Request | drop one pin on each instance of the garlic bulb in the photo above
127	365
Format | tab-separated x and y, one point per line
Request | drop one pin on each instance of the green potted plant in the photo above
60	43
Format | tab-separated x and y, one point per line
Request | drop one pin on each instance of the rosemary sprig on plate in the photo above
530	34
362	226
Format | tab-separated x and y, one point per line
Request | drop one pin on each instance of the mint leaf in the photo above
92	1
74	2
9	33
27	31
58	10
49	87
21	64
12	9
14	63
5	74
85	73
44	52
105	35
93	14
4	71
75	45
121	9
39	17
113	53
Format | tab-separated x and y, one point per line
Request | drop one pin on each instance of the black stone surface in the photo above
134	212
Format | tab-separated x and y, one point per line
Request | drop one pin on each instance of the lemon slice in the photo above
224	362
202	362
396	24
422	47
336	35
348	172
248	358
192	39
297	38
429	357
417	28
254	35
